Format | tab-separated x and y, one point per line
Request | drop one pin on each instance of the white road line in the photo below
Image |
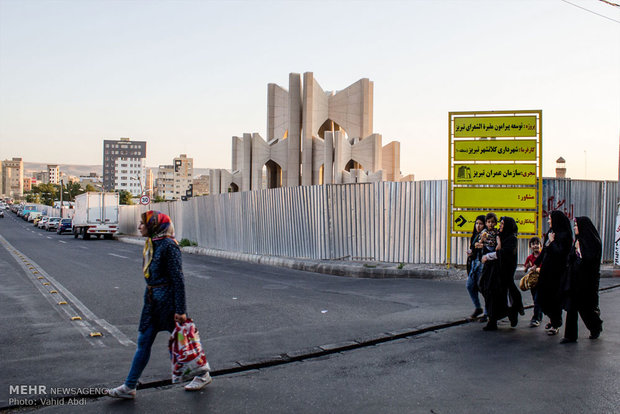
88	314
118	255
60	241
49	237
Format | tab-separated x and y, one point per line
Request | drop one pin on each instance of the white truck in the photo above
96	214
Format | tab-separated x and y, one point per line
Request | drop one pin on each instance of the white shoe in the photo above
122	392
199	382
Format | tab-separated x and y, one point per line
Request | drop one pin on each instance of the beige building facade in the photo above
183	172
12	183
313	137
201	185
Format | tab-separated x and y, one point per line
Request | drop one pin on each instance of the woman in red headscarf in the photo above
164	297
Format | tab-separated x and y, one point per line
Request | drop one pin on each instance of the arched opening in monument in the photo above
233	188
332	126
353	165
272	175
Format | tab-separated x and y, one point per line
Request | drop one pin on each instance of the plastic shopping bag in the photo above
186	353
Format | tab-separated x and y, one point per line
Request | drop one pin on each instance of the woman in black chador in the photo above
552	264
497	281
580	286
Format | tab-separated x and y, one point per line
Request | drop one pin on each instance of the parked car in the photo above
52	223
65	225
33	215
1	214
36	221
42	222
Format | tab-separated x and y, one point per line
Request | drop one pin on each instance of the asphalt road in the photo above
249	313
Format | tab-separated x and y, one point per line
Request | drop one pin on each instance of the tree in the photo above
124	197
71	190
158	199
90	188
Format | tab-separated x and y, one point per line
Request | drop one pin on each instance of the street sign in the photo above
463	220
495	150
495	174
490	198
145	200
495	126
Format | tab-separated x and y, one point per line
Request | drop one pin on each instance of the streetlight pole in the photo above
61	185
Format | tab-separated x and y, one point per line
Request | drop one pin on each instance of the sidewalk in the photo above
353	268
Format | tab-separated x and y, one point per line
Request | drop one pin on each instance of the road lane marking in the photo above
61	241
118	255
83	326
49	237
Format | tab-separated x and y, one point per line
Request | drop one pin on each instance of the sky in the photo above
186	76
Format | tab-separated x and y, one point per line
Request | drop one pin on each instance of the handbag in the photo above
186	353
529	280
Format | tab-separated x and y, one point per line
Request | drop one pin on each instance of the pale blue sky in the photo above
187	75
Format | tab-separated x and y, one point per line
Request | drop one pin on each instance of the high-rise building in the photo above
165	182
53	174
183	171
13	178
124	164
130	175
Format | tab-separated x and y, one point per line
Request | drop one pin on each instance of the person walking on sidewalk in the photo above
581	283
501	296
534	245
552	264
164	297
474	266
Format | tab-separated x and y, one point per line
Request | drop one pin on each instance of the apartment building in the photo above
53	173
201	185
124	155
130	175
164	183
183	171
12	182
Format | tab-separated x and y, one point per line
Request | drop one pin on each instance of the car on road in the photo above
42	222
65	224
1	214
33	215
36	221
52	223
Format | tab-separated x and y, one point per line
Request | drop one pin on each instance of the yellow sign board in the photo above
463	221
495	174
495	126
495	150
502	198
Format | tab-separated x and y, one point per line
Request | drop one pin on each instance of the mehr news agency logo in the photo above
30	395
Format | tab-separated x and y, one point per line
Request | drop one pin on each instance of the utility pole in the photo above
61	183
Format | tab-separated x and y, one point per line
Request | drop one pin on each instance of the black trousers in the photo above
590	317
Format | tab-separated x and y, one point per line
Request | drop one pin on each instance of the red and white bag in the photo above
186	353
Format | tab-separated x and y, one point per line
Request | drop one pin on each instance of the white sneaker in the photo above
122	392
199	382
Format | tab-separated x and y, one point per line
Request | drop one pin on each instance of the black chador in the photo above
497	281
553	262
580	285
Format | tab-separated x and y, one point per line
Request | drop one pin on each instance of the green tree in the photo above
90	188
43	193
158	199
124	197
71	190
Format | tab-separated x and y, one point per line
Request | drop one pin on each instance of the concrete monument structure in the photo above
313	137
